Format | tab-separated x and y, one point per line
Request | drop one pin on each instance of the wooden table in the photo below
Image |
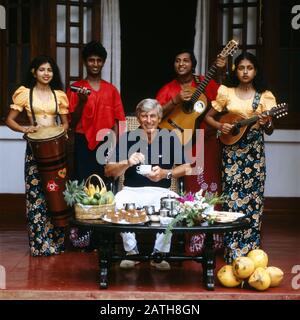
103	238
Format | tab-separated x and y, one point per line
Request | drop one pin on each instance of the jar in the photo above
170	203
164	212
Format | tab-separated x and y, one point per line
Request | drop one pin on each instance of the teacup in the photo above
164	221
144	169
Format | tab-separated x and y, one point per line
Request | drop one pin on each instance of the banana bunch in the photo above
91	189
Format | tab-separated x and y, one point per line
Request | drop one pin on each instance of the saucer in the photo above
164	221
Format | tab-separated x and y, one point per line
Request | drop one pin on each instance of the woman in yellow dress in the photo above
43	84
243	163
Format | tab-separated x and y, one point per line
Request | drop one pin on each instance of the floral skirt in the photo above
243	180
44	238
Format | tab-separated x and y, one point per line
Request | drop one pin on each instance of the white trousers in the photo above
144	196
161	244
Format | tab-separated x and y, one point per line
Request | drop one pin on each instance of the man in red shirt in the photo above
176	92
95	106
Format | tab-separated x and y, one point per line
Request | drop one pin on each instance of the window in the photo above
15	51
33	27
239	20
73	30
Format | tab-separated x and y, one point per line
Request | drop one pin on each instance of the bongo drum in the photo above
49	148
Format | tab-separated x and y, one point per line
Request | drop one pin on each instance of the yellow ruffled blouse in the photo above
228	100
44	111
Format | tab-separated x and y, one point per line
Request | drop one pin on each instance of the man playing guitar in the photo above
180	90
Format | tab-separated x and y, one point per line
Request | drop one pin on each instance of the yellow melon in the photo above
260	279
259	257
276	276
227	277
243	267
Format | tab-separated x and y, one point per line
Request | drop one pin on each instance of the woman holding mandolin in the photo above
243	161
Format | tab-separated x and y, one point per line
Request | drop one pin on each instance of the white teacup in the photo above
144	169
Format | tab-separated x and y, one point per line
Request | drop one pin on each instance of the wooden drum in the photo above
49	148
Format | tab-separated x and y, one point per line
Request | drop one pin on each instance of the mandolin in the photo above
185	115
242	125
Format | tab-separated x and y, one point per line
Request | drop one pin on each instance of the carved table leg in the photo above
104	259
209	262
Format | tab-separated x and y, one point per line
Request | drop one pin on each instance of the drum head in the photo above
44	133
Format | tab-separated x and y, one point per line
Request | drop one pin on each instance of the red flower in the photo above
188	197
52	186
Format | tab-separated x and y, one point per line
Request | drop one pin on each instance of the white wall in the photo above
283	164
12	155
282	154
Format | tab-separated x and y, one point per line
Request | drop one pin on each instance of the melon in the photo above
227	277
243	267
260	279
259	257
276	276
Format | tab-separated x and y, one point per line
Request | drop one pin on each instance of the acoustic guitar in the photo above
183	118
241	125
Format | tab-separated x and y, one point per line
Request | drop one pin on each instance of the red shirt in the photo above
171	89
102	109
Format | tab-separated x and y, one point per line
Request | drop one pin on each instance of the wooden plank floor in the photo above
74	274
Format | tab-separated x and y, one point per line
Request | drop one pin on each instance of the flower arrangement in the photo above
194	208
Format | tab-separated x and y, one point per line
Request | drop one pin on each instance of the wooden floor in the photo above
74	274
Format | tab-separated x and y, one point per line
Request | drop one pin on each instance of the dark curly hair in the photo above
30	80
94	48
259	82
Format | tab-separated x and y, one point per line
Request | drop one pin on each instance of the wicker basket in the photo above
87	212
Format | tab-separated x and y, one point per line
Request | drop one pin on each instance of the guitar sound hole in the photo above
235	131
188	106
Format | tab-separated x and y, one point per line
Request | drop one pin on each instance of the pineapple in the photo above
74	192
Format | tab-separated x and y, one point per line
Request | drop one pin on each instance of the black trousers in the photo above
85	162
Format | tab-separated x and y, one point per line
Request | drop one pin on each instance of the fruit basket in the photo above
90	201
104	203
